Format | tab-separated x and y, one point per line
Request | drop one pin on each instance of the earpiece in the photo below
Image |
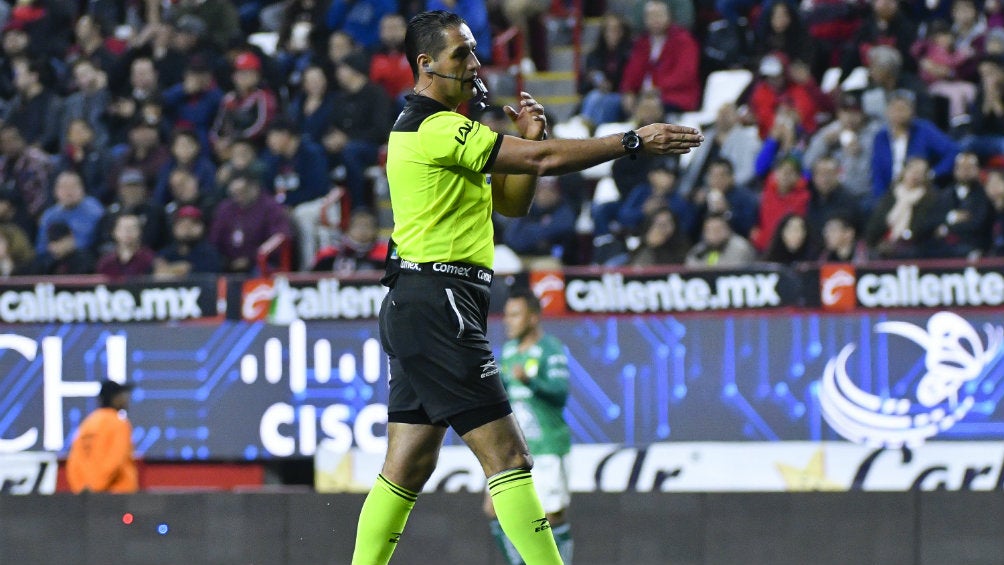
427	68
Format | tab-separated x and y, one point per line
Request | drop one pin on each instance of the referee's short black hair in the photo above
525	294
425	35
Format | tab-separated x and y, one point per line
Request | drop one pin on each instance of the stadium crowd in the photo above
158	137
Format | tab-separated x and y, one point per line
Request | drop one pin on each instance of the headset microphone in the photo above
428	68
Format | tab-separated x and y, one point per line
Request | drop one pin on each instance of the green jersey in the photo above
538	404
440	192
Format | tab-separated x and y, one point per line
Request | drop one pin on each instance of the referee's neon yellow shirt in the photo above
440	191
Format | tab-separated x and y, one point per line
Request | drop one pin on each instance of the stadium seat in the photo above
721	87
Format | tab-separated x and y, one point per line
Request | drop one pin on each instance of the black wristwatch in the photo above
632	143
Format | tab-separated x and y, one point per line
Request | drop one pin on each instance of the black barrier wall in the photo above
915	528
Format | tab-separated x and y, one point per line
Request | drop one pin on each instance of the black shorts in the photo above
434	329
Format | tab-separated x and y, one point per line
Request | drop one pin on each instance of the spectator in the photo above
970	35
987	112
360	19
129	258
246	111
359	125
91	44
155	42
300	36
8	265
389	68
219	16
144	152
84	156
787	84
993	10
101	454
193	103
720	195
35	108
832	23
244	221
965	228
830	197
74	208
183	189
903	223
786	140
730	139
14	44
24	170
666	57
682	12
720	247
840	241
61	255
133	198
662	241
995	193
18	241
357	250
340	46
850	141
545	235
243	161
520	14
792	242
659	192
906	136
885	25
940	66
13	219
886	75
295	174
780	30
189	253
312	108
186	154
88	103
604	69
784	193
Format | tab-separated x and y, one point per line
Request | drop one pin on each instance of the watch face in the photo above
631	141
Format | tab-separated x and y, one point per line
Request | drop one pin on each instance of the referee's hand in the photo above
529	119
668	139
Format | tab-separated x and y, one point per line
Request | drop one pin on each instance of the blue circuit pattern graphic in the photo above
210	391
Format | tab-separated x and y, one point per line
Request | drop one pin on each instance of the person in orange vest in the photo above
101	455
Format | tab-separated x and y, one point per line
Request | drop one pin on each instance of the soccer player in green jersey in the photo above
535	375
447	173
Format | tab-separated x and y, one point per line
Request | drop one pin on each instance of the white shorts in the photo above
550	477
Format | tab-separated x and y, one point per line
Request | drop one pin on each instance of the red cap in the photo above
247	62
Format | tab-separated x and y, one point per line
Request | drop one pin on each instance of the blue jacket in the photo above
300	179
926	141
631	215
360	19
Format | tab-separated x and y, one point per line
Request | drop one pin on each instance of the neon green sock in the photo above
522	517
381	522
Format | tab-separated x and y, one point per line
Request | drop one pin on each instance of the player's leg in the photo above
412	452
505	458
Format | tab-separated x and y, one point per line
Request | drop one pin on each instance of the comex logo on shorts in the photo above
954	357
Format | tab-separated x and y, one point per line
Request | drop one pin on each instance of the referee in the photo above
446	174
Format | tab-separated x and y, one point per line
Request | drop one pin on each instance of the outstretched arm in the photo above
560	156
